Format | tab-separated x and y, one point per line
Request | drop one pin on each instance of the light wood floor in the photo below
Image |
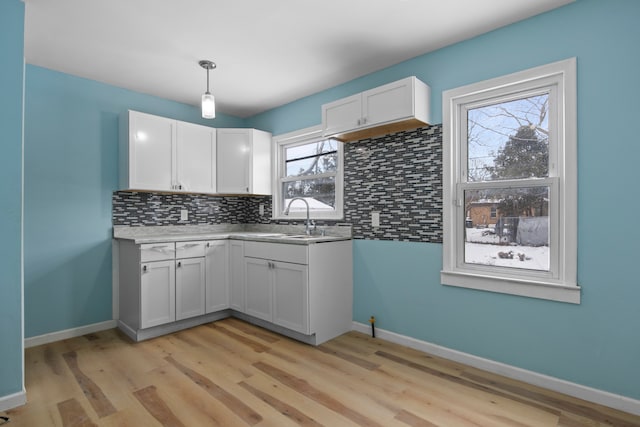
230	373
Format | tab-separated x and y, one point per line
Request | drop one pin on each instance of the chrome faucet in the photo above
308	224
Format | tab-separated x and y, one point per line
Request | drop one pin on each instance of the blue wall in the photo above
71	170
595	343
11	88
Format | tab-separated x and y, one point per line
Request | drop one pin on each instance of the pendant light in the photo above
208	101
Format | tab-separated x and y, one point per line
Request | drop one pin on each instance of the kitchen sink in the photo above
303	236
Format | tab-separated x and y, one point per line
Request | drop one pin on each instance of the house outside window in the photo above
510	184
308	166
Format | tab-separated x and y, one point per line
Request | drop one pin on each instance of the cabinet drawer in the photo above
190	249
157	252
296	254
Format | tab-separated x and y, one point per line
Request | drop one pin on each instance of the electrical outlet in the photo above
375	219
261	209
184	215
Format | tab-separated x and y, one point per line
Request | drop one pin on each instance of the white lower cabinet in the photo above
306	289
164	283
291	296
216	275
236	275
157	293
258	282
190	287
278	293
303	291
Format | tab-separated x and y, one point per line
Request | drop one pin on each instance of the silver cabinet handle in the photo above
144	268
364	120
190	245
208	244
179	264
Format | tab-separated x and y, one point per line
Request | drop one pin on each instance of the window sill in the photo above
526	288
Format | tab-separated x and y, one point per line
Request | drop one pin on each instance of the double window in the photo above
510	151
308	166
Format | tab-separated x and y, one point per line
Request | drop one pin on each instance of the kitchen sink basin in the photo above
259	234
302	236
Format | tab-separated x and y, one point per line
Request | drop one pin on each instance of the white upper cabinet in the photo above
244	161
161	154
342	115
150	149
396	106
195	158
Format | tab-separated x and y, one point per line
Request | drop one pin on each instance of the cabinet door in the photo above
386	103
258	300
217	276
291	296
260	162
342	115
157	293
151	157
195	158
234	161
190	287
236	275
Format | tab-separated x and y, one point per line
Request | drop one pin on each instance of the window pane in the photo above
313	148
509	140
320	193
517	236
313	158
313	165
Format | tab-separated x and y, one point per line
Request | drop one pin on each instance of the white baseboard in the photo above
601	397
69	333
13	400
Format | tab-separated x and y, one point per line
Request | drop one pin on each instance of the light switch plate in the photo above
375	219
184	215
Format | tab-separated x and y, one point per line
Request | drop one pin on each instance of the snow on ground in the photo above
482	247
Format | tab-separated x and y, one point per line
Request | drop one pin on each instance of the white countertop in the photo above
277	234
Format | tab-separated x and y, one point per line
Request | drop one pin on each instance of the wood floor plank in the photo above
215	354
461	381
413	420
287	410
467	402
91	390
73	415
151	400
262	334
252	344
309	407
363	363
561	404
303	387
238	407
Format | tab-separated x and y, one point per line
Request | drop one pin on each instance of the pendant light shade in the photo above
208	101
208	106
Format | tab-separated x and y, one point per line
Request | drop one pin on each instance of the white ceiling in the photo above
268	52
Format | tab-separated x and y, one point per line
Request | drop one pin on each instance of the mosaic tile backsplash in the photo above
139	208
398	175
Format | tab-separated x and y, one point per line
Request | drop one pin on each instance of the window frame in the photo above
560	282
301	137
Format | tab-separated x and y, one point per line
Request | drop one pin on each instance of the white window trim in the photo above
561	283
299	137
